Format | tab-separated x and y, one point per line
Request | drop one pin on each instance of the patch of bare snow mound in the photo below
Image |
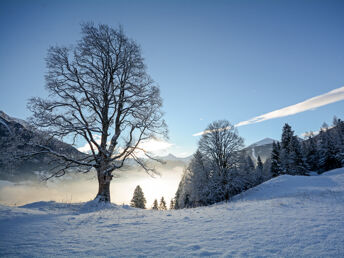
288	216
297	186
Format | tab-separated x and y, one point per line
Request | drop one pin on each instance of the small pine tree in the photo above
336	121
162	205
187	203
155	205
324	126
172	204
138	200
259	171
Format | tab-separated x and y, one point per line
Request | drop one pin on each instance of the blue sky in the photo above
232	60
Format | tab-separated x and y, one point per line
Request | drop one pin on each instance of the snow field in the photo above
287	216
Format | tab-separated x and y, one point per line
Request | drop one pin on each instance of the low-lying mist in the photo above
73	188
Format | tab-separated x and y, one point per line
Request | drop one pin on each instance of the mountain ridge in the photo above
14	137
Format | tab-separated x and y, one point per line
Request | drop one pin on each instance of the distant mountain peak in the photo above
8	118
172	157
265	141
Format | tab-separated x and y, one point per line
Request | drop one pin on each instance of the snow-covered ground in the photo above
287	216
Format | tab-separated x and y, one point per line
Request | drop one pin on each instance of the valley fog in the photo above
74	187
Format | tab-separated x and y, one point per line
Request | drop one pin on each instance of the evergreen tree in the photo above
328	152
291	156
311	153
172	204
184	188
259	170
199	179
297	164
187	203
336	121
324	126
275	167
138	200
155	205
162	205
287	136
246	172
339	139
250	164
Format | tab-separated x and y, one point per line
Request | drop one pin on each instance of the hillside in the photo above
286	216
14	136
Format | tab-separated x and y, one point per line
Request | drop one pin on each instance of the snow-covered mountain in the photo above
265	141
171	157
261	148
4	119
287	216
14	136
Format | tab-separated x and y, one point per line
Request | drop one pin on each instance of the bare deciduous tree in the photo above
213	173
221	144
99	91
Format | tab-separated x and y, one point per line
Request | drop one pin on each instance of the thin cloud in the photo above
309	104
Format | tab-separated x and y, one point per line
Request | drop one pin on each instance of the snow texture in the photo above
288	216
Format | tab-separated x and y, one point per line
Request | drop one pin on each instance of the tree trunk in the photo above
103	186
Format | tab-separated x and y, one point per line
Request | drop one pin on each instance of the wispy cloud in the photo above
309	104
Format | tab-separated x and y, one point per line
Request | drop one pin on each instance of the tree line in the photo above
220	168
318	153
